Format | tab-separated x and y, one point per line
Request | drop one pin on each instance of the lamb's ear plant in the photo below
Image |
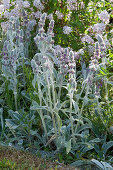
20	128
44	79
13	57
48	71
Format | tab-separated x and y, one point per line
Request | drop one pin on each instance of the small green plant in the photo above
7	164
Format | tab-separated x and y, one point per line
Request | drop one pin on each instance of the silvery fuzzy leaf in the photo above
63	130
110	82
80	163
37	107
68	146
14	115
97	163
79	120
21	47
13	34
47	117
88	121
9	47
1	101
96	140
78	96
55	74
107	166
34	80
64	112
27	63
86	148
21	33
11	124
111	129
60	142
86	100
78	135
59	120
107	146
61	105
96	147
1	90
20	142
32	132
22	55
26	95
1	117
85	133
76	107
83	127
32	118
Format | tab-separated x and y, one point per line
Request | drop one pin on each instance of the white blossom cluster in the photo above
38	4
37	14
104	16
87	39
99	28
6	4
59	15
67	30
26	4
1	9
5	26
74	5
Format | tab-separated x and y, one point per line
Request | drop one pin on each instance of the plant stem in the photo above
41	113
50	101
71	118
15	89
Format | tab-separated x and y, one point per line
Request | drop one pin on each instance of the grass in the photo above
12	159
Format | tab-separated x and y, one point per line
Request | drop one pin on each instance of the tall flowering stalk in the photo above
45	74
13	54
104	60
72	87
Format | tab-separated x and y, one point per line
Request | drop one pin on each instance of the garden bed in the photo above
15	159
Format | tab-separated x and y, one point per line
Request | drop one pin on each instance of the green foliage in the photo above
7	164
39	107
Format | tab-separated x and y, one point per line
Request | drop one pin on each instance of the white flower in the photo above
6	4
59	15
38	4
38	14
72	4
81	51
1	9
67	30
99	28
26	4
31	25
90	49
5	26
19	3
50	17
87	39
104	16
